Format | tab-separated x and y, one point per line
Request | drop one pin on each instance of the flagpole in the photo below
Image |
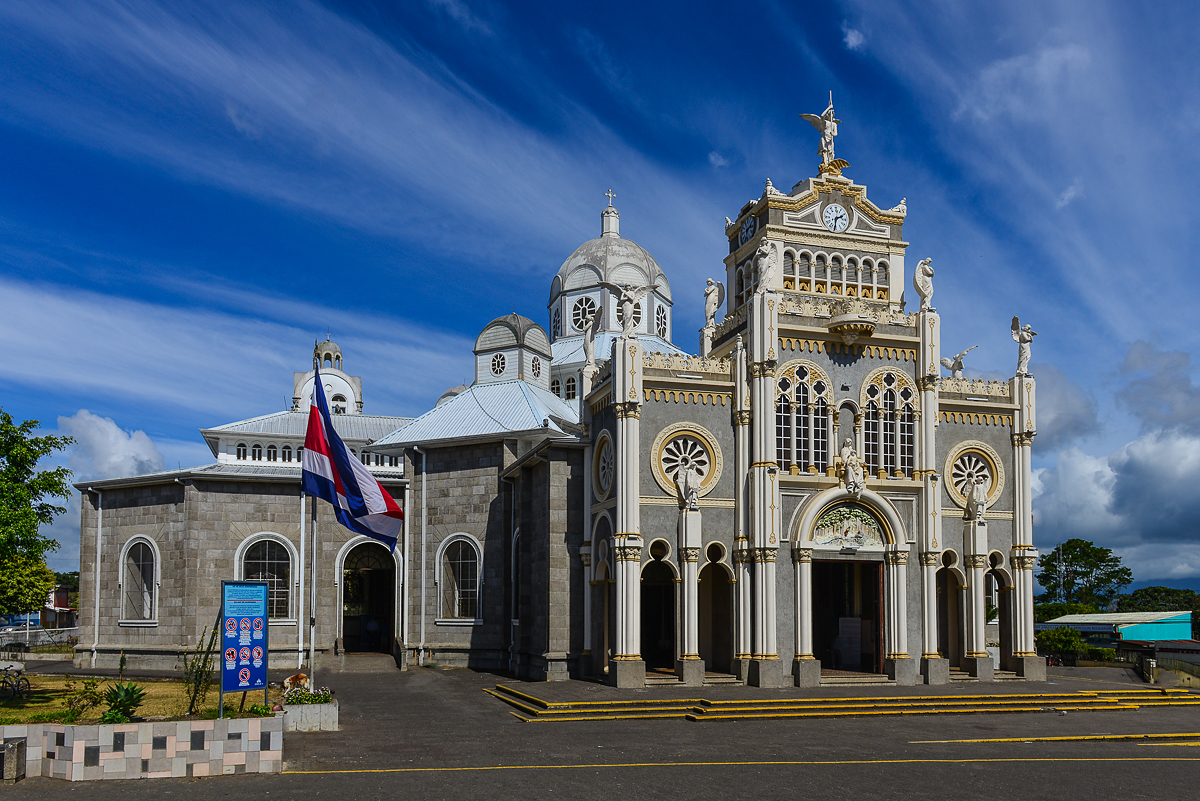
300	601
312	612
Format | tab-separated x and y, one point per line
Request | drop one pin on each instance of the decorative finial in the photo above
610	195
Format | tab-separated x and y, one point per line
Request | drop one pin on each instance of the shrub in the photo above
1063	641
124	699
81	698
299	695
198	672
262	710
113	716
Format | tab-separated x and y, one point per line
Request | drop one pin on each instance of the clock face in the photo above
747	231
836	218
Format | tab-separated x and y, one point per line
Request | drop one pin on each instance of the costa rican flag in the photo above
332	473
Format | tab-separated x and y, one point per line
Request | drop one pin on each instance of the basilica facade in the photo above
808	496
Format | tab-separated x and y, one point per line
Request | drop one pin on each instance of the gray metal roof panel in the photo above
295	424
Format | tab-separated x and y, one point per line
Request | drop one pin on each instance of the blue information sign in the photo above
244	636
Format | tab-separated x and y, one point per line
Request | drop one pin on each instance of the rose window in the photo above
498	364
582	312
968	467
637	315
685	451
605	467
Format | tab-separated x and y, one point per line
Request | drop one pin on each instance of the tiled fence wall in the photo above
151	750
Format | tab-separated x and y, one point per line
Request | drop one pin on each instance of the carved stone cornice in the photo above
628	553
931	558
800	555
896	557
633	410
689	554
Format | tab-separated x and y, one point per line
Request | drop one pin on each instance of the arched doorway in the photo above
715	596
658	611
950	587
368	599
999	598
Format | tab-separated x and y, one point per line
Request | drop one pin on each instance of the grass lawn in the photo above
47	702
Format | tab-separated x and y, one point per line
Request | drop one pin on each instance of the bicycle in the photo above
14	685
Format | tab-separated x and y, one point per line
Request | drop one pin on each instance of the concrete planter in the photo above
152	750
311	717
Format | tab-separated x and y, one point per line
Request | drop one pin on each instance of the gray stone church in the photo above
808	497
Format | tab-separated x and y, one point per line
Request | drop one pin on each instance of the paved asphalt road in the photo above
435	734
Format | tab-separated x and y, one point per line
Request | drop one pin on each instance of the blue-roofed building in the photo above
1107	629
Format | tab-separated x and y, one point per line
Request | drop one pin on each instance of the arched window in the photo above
272	453
570	393
889	426
460	580
907	434
241	450
287	453
556	387
889	431
871	434
801	425
256	453
269	561
139	584
338	404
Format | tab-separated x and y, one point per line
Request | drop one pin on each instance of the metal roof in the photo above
569	350
295	424
1119	618
220	471
486	410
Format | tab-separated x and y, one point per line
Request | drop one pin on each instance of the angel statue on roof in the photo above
628	296
827	125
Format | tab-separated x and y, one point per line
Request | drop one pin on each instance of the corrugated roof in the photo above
220	470
569	350
295	424
1119	618
484	410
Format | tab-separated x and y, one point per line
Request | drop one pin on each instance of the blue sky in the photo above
191	193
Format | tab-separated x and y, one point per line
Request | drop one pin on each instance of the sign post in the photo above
244	638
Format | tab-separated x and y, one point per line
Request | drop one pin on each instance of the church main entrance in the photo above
368	599
658	616
716	618
847	621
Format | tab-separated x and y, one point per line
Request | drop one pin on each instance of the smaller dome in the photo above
608	258
513	330
327	354
450	393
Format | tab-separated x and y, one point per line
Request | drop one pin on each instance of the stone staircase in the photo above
529	708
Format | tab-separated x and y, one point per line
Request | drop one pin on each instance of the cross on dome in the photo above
610	195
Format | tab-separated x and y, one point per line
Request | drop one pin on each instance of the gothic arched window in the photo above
889	425
802	419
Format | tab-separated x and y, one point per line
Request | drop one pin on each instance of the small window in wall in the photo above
460	581
270	561
556	387
570	392
393	461
241	450
139	582
287	453
272	454
366	458
256	453
339	404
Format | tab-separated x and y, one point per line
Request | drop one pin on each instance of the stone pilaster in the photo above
627	668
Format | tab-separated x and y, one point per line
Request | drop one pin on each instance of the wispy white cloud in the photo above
1069	194
852	37
462	13
716	159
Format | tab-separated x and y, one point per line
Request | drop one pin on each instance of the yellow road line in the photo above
1061	738
881	712
756	763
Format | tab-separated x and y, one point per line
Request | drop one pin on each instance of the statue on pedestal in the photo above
714	296
923	283
628	296
977	500
852	469
827	125
687	482
1023	336
766	260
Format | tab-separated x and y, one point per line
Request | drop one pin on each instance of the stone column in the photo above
743	616
935	667
765	514
899	666
628	669
975	540
1023	390
806	670
689	668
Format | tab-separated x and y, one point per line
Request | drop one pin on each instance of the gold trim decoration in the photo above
689	554
688	396
931	558
698	434
992	460
903	380
898	557
976	560
713	503
977	418
800	555
989	515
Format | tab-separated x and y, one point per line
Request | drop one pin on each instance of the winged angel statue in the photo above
827	125
923	283
714	296
628	296
1023	336
955	364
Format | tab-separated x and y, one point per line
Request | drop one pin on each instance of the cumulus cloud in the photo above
853	38
1160	391
1065	412
1027	86
103	449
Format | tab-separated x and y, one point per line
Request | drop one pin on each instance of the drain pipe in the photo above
424	542
96	611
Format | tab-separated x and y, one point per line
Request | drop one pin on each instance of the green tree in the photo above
1079	572
24	584
25	492
1157	599
1043	612
1062	641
